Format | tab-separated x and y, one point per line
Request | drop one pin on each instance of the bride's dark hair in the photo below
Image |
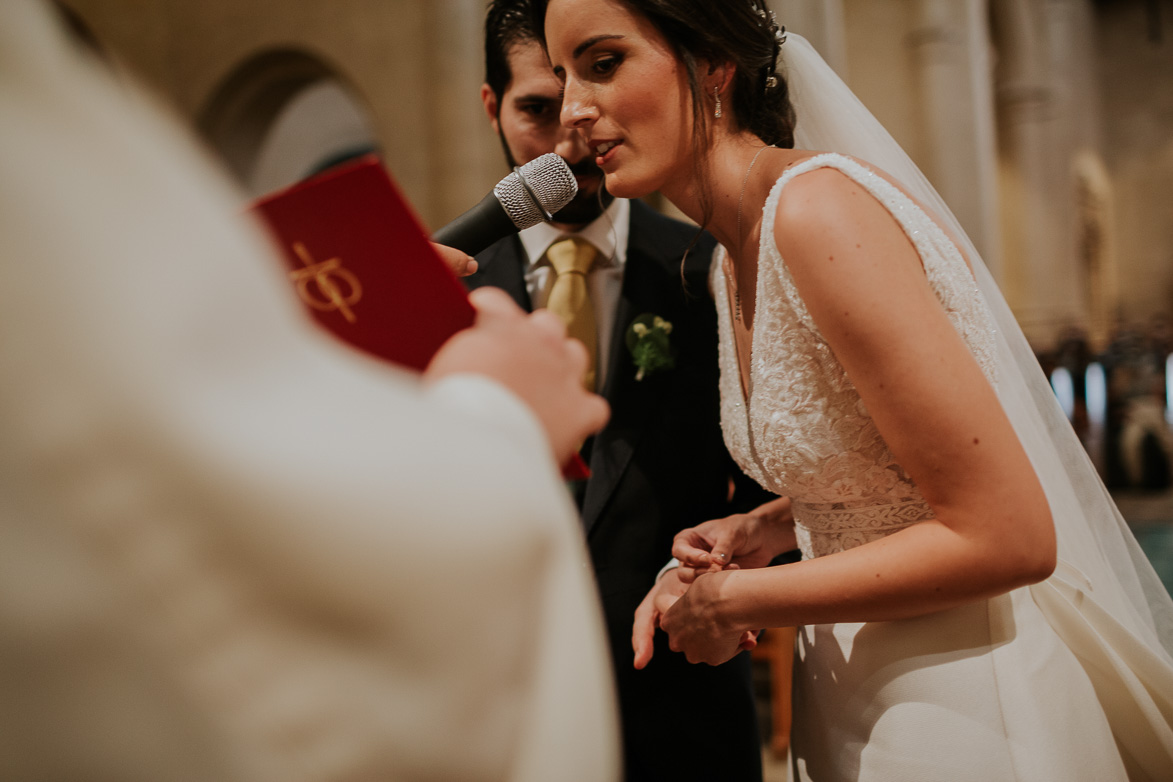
738	32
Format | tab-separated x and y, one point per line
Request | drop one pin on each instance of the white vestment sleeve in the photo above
231	548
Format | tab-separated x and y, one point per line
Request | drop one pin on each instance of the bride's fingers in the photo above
748	641
728	541
691	549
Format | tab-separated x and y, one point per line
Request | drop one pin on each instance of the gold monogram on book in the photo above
322	276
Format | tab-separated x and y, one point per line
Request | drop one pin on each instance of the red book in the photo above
362	264
364	267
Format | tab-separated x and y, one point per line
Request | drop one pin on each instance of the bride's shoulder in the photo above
810	171
843	193
811	179
825	167
826	206
819	187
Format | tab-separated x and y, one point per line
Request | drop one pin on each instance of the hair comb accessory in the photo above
769	21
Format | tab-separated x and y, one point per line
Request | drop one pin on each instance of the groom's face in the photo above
527	120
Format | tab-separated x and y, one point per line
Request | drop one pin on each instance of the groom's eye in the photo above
536	109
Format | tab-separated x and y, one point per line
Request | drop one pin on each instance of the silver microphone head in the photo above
535	191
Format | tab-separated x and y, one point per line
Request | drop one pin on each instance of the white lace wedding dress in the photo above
983	692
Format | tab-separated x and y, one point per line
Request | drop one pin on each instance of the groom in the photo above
660	465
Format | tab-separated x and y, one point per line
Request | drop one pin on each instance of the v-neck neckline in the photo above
744	377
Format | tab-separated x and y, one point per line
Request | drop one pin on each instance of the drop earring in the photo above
717	97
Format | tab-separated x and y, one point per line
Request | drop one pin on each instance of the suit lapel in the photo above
503	266
645	289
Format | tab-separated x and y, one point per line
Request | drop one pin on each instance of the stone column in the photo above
1082	277
950	46
1034	185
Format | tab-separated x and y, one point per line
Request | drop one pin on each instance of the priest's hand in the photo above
461	265
530	355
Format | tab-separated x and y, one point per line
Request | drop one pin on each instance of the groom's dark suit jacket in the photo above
659	465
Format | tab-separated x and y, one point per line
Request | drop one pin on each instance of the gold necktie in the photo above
570	298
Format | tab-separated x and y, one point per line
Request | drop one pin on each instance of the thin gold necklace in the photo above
740	241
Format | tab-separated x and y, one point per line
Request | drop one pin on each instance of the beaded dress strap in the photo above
944	265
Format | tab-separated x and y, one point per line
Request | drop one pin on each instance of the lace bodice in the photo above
806	433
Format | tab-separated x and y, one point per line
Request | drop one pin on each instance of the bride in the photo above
970	604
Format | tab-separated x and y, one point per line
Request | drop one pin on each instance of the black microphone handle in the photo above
477	228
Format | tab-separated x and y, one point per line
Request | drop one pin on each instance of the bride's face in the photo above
625	92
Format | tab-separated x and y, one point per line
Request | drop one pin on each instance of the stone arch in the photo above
285	114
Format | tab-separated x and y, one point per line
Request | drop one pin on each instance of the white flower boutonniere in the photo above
647	339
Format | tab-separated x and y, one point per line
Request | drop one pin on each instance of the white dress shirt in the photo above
608	234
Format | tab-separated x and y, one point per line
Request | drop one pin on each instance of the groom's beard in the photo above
592	198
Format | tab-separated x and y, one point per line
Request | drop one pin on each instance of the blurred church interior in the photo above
1046	124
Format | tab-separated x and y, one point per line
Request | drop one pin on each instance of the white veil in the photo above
1105	600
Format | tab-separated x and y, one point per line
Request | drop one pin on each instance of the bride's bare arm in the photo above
864	286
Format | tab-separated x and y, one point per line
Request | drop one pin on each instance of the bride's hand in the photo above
747	540
659	599
696	625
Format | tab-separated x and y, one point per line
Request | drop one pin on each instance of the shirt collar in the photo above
608	233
